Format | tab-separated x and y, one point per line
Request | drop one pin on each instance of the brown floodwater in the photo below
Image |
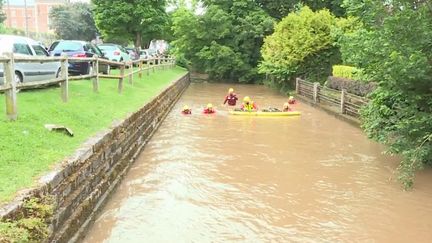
218	178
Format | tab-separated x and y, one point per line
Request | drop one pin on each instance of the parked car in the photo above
133	53
115	52
152	52
79	49
26	47
144	54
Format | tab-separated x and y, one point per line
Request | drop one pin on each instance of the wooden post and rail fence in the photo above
10	85
342	101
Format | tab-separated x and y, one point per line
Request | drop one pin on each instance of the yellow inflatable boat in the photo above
263	113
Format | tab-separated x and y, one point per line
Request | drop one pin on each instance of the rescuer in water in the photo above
291	100
231	98
248	105
209	109
286	107
186	110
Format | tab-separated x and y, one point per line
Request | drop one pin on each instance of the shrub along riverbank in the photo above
28	149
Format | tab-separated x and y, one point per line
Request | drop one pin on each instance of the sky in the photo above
31	2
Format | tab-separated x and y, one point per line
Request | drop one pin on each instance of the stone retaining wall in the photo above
82	182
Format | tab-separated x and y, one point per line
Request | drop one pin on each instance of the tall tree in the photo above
137	20
225	40
2	14
394	49
281	8
73	21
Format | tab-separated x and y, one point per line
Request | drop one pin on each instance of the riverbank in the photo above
28	150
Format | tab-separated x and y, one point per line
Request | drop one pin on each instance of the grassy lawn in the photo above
28	150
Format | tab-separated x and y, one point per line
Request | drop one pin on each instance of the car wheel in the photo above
18	77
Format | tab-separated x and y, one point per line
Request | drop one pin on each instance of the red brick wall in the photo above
38	17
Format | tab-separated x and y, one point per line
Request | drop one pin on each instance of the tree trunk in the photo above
138	41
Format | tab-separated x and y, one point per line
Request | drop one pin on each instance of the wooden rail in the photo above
345	102
10	86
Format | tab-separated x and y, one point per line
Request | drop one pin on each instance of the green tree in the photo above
73	21
2	14
136	20
301	46
225	40
394	49
281	8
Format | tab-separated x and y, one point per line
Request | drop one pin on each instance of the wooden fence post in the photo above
154	64
315	92
122	74
148	67
131	70
297	86
65	76
10	82
342	102
140	69
96	73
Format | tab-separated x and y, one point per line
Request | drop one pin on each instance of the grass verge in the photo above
27	149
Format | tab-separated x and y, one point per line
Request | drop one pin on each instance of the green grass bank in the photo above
28	150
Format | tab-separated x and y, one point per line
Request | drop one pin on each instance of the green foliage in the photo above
136	20
31	225
281	8
73	21
2	14
343	71
394	49
301	46
224	41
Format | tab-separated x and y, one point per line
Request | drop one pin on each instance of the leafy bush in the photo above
394	48
301	46
342	71
31	225
351	86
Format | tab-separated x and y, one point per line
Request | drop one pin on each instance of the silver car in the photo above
115	52
26	47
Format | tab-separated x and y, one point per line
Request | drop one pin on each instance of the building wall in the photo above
37	15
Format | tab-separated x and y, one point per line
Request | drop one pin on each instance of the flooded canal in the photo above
221	178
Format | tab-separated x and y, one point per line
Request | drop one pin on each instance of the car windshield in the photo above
107	47
67	46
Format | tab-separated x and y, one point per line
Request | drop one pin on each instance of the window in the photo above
20	48
39	50
107	47
66	46
95	50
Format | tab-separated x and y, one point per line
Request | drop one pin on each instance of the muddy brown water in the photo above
222	178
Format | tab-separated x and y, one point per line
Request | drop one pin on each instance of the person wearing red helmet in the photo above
231	98
209	109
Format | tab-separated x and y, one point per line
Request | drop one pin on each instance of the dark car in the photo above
77	49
